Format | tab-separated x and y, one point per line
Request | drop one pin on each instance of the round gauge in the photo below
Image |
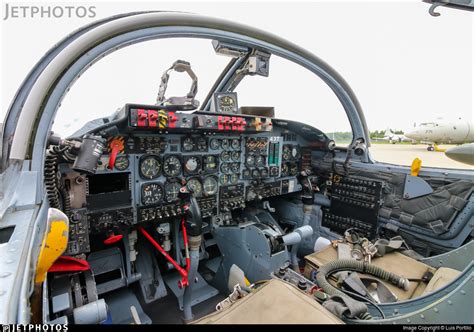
260	160
235	155
274	171
172	191
224	179
235	167
296	152
225	144
284	170
235	144
188	144
210	163
172	166
246	174
214	144
293	169
192	164
121	163
286	153
225	156
255	174
210	186
195	186
227	104
225	168
201	144
150	166
264	172
250	160
152	193
234	178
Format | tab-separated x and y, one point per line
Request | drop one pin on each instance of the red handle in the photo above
184	274
113	238
115	147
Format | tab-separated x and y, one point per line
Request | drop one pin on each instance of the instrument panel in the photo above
224	170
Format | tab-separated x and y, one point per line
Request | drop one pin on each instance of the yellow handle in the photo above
54	244
415	167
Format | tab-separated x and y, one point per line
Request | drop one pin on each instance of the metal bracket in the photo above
185	103
237	294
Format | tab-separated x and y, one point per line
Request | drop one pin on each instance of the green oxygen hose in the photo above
353	265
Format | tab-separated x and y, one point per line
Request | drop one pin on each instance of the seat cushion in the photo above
276	302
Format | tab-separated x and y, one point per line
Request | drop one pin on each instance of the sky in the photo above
404	65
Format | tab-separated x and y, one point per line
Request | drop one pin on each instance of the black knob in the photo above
302	284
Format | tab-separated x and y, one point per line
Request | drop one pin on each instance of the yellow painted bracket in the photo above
54	243
415	167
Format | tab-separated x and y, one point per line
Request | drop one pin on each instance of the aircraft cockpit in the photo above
209	211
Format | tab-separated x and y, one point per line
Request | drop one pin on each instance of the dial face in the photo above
150	167
293	169
210	186
235	155
260	160
152	193
225	144
234	178
225	156
225	168
122	163
201	144
264	172
195	186
227	104
250	160
224	179
172	191
210	163
188	144
246	174
214	144
274	171
235	144
235	167
192	165
255	174
172	166
286	153
295	152
284	170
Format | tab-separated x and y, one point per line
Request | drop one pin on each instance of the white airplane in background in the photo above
393	138
441	131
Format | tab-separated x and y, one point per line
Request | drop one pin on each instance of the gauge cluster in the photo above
224	172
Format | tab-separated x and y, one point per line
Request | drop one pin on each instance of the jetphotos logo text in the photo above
51	12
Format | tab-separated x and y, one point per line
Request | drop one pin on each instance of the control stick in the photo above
308	200
193	230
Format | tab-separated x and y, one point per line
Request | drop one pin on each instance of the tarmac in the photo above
404	154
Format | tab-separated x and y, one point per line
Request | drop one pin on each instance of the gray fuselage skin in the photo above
450	132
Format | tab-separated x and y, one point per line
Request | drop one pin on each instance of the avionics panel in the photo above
355	203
